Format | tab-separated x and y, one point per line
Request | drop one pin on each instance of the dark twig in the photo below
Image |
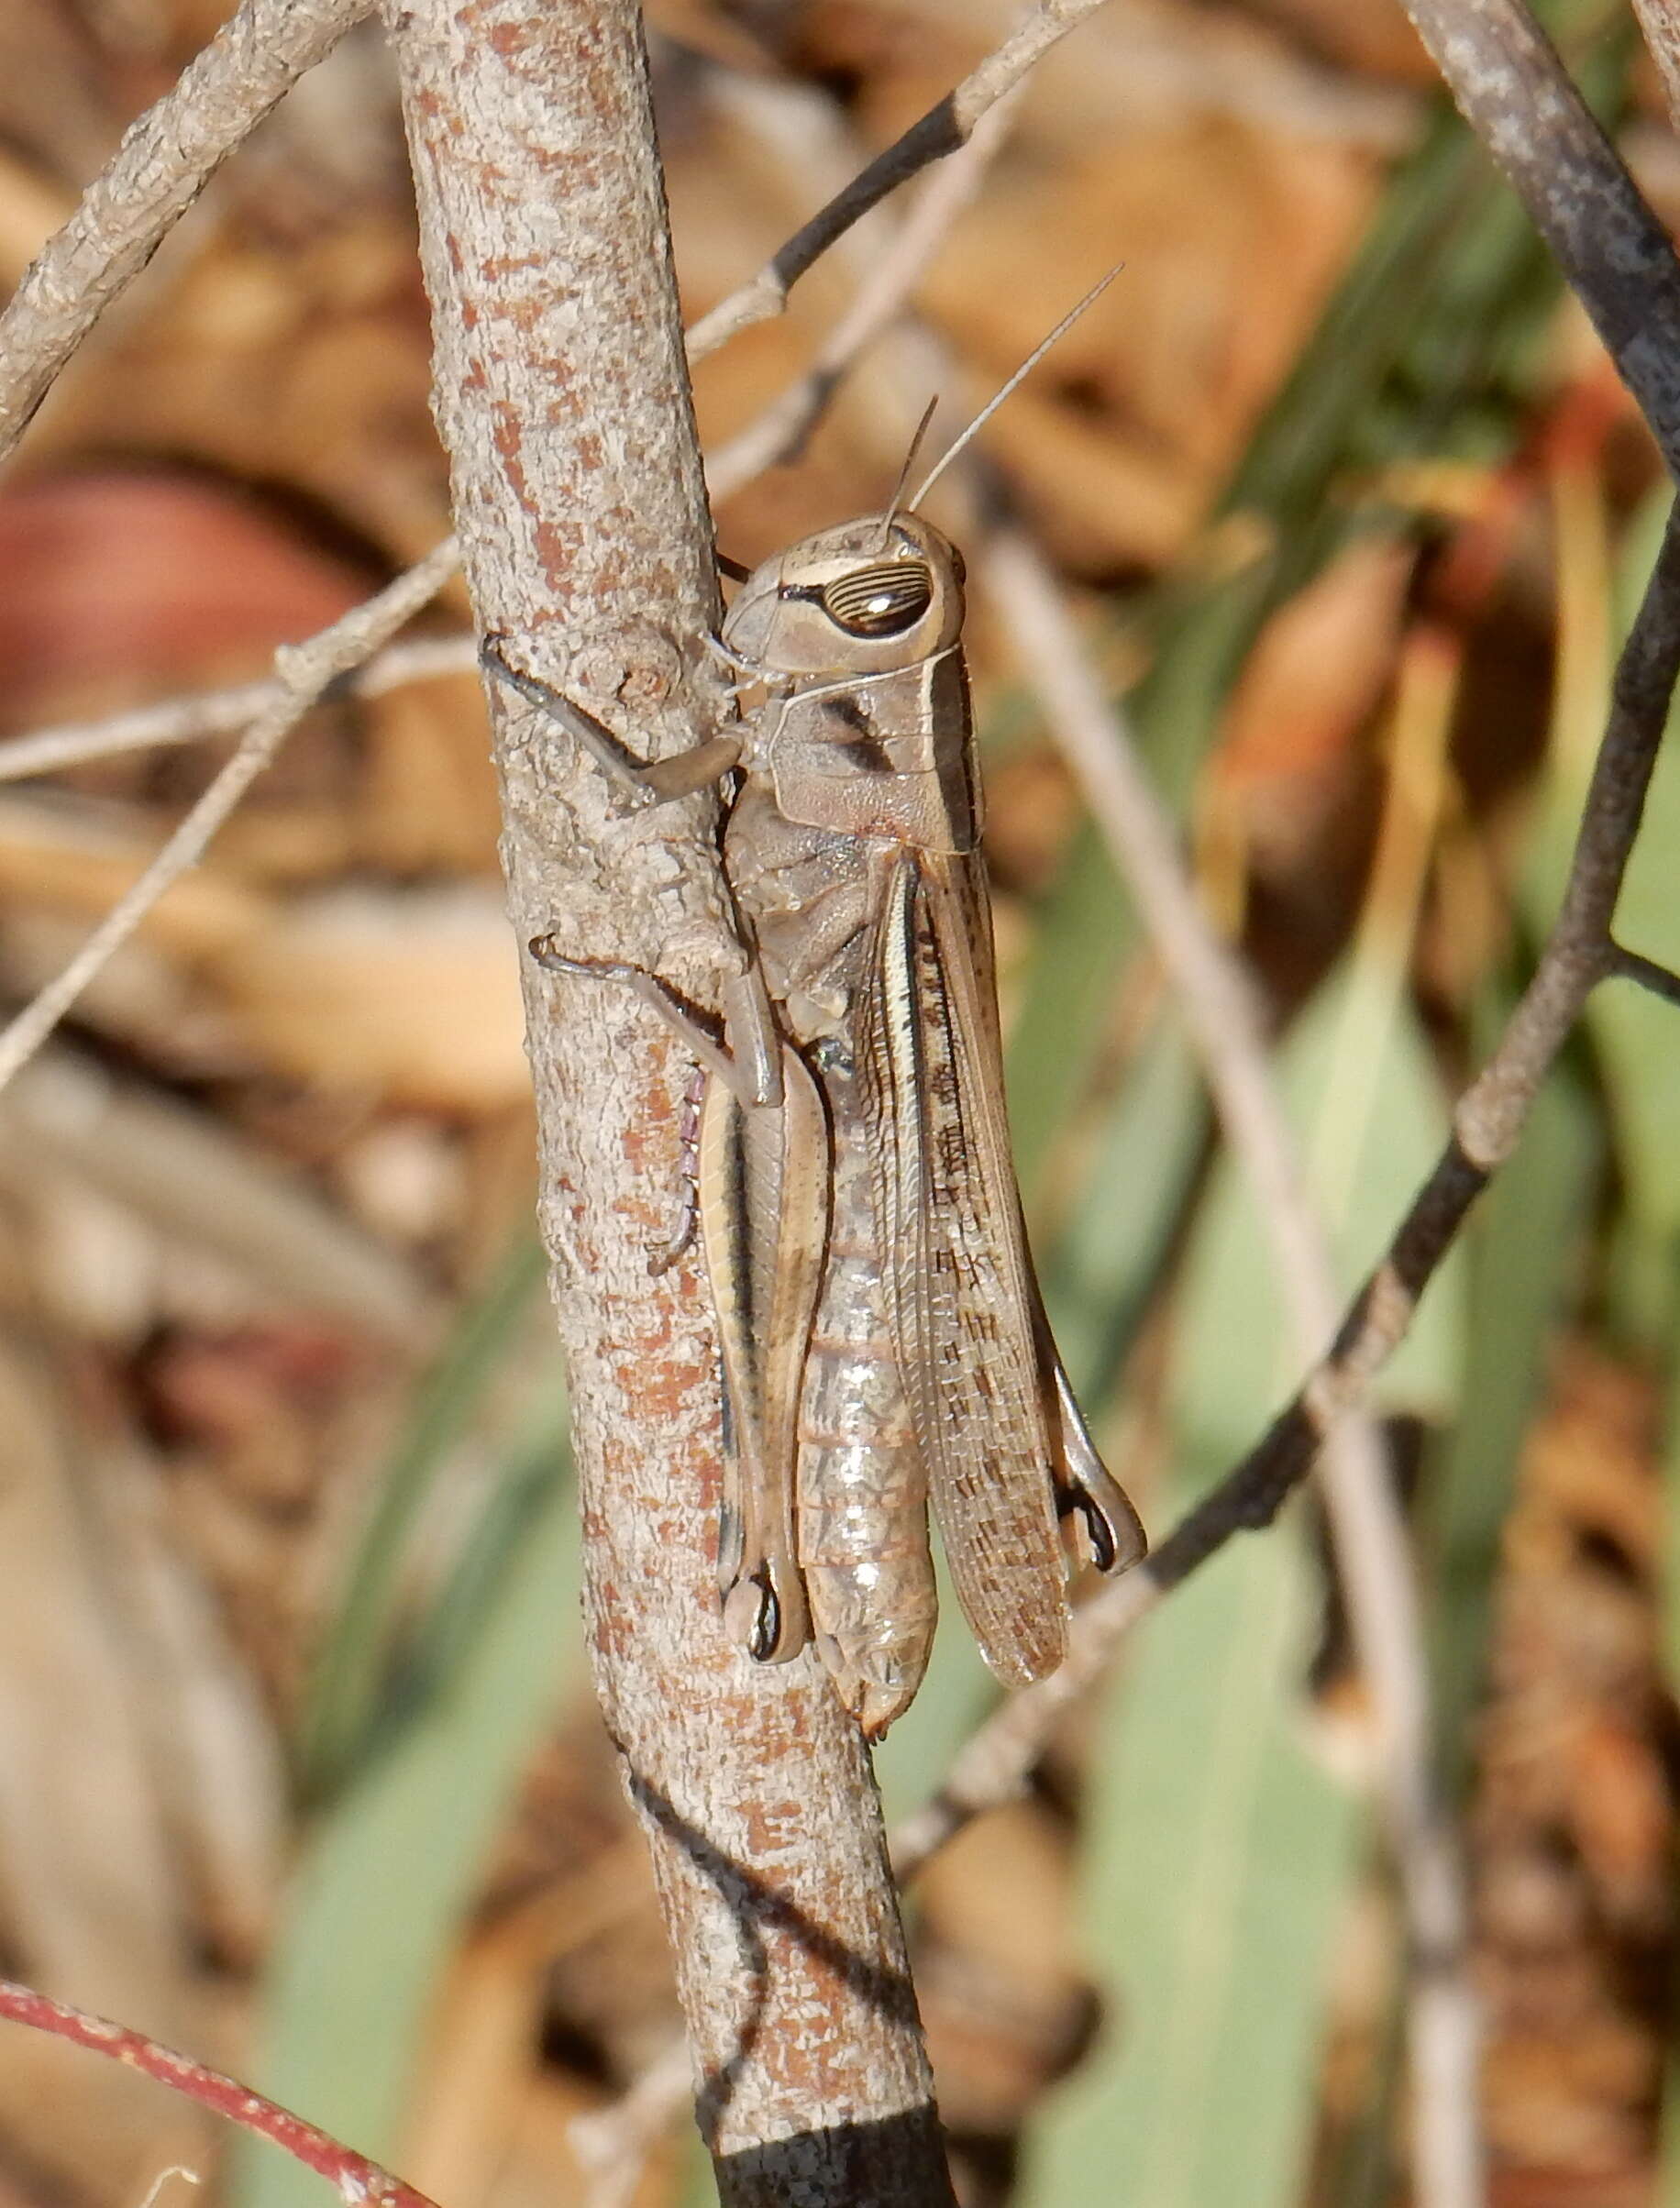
1517	95
1661	980
946	125
780	433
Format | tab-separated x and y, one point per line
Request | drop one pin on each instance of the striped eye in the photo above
882	600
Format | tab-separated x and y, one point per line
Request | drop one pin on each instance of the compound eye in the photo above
885	599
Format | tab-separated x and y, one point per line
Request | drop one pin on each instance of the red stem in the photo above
357	2178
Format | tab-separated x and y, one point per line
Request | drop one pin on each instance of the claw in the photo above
542	950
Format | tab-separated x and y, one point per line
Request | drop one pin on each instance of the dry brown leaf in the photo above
211	1748
200	1187
1004	2000
486	2034
89	1889
426	797
1623	1819
1316	675
411	997
78	862
193	584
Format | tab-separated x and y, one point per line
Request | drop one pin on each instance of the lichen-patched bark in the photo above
562	397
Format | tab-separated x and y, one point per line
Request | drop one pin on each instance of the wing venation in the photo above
960	1286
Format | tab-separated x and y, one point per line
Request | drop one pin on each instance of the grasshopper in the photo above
883	1338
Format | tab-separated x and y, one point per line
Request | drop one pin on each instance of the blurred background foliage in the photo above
298	1763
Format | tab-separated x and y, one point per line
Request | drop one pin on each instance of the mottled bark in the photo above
562	397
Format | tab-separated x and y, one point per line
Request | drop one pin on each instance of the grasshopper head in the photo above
865	598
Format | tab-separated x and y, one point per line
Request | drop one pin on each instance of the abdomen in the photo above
860	1484
862	1487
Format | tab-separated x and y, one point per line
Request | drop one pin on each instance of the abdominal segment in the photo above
862	1488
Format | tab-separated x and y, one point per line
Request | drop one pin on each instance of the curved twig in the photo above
946	125
359	2180
167	156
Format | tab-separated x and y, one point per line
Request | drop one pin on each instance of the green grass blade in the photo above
1375	1119
1100	1273
1219	1857
347	1688
1218	1861
1088	930
1525	1245
391	1868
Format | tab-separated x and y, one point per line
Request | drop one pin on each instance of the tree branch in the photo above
563	401
167	156
1517	95
1630	965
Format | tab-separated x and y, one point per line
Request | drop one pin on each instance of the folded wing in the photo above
965	1315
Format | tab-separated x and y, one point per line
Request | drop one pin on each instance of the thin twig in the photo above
613	2143
1631	966
223	712
166	158
1489	1118
1516	93
946	125
1660	21
1367	1527
301	672
780	433
359	2180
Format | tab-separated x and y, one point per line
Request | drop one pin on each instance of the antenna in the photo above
909	461
1025	369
